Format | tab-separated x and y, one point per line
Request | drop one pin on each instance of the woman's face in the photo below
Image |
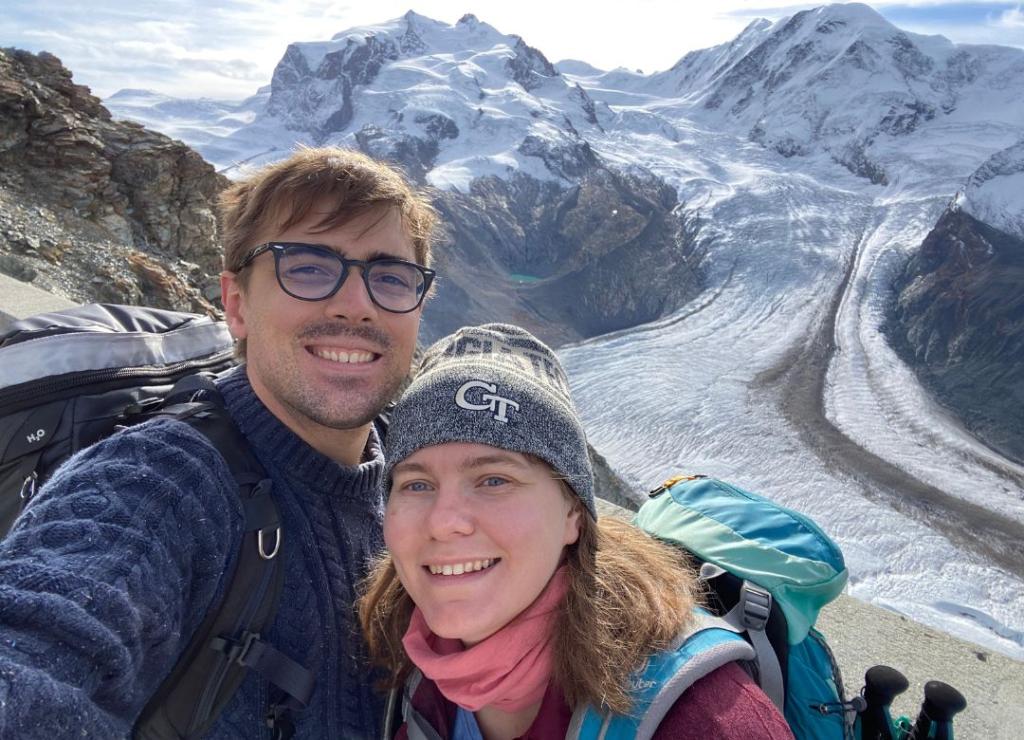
475	533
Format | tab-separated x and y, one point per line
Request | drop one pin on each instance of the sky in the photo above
227	49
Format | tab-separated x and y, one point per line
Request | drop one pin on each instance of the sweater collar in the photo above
278	447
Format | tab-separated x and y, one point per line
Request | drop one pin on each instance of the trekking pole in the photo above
881	685
935	721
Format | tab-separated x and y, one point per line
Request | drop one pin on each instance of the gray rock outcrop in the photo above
957	320
97	209
614	251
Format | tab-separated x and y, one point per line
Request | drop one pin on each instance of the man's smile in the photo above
351	357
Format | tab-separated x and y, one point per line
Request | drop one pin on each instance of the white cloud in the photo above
1012	19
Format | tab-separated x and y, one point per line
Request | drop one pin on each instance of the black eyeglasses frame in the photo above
278	248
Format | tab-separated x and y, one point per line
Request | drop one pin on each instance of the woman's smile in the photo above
461	568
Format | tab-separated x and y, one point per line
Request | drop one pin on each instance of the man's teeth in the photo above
350	357
457	569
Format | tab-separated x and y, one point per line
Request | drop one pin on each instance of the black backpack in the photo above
71	378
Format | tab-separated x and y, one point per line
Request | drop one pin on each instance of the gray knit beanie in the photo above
498	385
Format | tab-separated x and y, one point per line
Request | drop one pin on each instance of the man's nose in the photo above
352	300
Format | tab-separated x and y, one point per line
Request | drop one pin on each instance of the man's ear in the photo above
234	304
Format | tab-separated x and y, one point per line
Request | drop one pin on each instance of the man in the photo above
119	558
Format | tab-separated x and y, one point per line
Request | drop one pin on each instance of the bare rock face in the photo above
322	97
609	253
96	209
958	322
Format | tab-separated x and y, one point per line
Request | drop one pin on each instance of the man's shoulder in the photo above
145	460
159	442
158	487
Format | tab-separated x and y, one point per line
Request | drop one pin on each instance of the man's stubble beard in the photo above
339	403
357	407
361	400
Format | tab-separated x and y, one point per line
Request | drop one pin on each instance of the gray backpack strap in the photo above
695	653
416	726
749	617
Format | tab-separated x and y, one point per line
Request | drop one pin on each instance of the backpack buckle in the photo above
237	651
671	482
756	605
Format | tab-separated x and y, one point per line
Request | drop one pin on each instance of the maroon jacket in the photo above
724	705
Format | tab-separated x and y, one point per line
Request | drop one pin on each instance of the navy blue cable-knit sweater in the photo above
109	571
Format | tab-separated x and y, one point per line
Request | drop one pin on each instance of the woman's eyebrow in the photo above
484	460
471	464
410	467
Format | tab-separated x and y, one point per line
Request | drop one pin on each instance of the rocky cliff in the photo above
97	209
613	251
958	320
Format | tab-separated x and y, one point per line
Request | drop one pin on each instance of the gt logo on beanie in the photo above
496	404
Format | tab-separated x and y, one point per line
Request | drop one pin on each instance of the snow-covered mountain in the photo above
714	246
842	80
457	102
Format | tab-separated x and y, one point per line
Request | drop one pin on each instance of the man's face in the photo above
331	364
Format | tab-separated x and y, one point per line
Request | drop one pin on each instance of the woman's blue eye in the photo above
415	486
495	480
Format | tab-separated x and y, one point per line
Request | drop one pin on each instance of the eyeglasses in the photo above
311	272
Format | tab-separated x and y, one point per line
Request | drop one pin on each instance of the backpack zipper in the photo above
849	709
31	392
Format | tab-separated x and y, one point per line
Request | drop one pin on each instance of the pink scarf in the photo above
509	670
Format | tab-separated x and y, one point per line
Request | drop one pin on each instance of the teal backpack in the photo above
769	571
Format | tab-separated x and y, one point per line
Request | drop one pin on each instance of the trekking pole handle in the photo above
941	703
881	685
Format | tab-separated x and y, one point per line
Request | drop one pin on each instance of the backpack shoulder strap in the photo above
417	727
665	677
749	617
227	643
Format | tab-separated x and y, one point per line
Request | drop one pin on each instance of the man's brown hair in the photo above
629	597
280	195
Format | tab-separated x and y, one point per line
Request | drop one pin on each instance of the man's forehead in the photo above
383	230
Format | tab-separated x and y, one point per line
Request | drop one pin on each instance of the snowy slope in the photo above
815	153
842	80
994	194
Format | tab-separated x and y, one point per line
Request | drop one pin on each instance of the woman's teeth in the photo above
458	569
352	357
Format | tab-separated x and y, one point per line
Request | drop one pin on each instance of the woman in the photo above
504	604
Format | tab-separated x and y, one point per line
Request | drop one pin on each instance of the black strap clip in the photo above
757	606
237	651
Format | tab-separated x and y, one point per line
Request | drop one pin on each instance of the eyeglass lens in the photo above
314	274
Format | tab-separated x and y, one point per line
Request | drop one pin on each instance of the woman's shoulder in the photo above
726	704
